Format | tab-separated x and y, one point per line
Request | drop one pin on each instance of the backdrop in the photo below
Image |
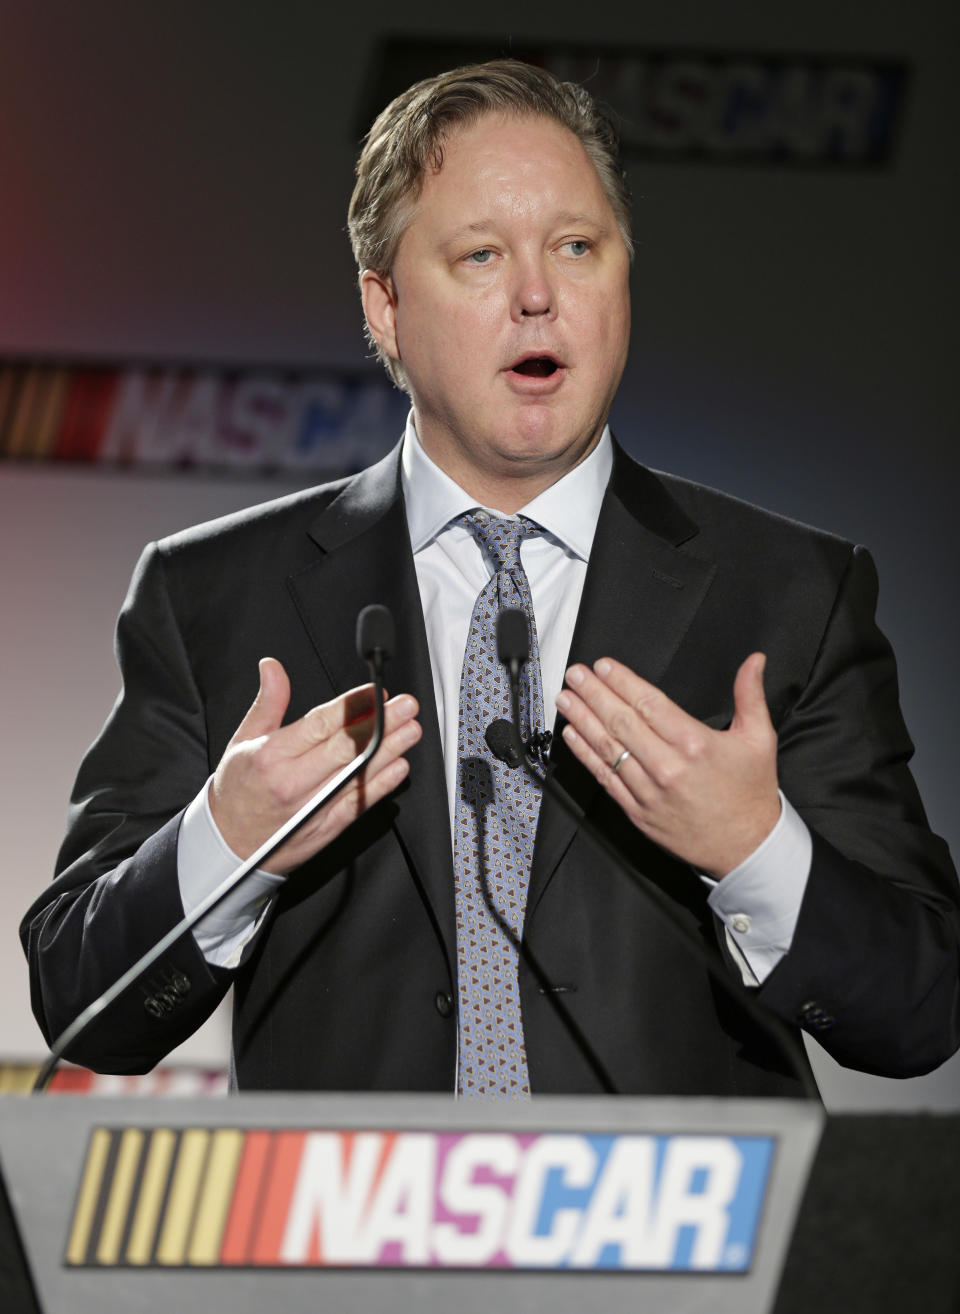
173	186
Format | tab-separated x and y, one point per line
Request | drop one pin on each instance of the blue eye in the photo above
481	257
578	247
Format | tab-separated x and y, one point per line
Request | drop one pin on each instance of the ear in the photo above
379	299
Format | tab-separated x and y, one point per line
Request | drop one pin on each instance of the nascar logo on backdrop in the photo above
196	1197
250	420
774	107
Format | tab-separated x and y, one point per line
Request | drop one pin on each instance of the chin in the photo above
551	437
540	429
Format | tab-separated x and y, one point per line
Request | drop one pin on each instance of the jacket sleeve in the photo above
116	890
874	968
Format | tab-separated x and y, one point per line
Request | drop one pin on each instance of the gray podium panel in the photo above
87	1256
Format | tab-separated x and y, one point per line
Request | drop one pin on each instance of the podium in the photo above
402	1203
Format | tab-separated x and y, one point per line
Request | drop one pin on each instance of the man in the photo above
731	719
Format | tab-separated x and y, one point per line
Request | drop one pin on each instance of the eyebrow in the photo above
564	219
575	220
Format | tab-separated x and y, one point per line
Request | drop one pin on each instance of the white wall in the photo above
68	541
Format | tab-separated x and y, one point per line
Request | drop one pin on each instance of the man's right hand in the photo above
269	770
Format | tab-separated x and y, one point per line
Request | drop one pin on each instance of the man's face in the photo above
508	307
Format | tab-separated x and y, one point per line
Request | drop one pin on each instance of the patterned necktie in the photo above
496	820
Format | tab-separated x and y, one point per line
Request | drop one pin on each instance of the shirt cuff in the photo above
759	901
204	861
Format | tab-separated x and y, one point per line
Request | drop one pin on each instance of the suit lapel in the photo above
640	596
367	559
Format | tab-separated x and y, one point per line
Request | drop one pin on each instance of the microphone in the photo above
500	740
513	640
375	640
375	635
513	649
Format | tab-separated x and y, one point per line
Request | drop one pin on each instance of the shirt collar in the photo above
568	510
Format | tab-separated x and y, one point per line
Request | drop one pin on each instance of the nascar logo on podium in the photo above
196	1197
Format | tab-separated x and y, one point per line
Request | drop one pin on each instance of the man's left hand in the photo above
708	796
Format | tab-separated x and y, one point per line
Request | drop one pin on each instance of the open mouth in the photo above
536	367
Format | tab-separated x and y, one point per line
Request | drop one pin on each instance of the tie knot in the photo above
500	538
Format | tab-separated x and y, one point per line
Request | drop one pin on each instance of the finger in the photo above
750	703
267	710
622	725
614	782
386	771
350	715
359	728
397	741
648	752
580	714
355	733
397	713
399	710
648	704
314	766
332	820
367	793
399	737
322	722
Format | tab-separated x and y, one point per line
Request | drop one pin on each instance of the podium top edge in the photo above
554	1113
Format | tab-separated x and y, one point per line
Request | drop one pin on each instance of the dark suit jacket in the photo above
351	983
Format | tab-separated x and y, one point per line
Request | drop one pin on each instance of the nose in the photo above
533	292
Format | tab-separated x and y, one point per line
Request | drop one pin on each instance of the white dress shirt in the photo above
758	903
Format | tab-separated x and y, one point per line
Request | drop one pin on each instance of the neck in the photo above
508	488
505	495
